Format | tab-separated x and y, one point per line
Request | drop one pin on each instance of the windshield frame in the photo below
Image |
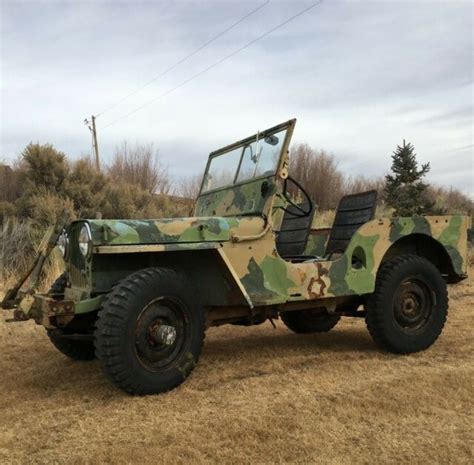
288	125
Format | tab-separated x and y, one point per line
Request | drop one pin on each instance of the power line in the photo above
187	57
217	63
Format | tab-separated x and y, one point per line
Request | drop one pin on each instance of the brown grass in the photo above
259	395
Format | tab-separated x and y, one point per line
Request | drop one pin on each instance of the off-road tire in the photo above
127	355
308	321
383	305
74	349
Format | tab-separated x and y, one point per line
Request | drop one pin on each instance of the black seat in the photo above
293	235
352	212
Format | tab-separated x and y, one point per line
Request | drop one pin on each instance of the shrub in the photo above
16	248
85	187
19	241
42	167
43	208
7	210
139	165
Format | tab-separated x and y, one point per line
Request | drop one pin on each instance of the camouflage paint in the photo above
261	275
250	198
169	231
268	279
242	222
317	240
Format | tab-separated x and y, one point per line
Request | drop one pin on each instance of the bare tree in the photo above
449	200
361	183
140	165
188	187
7	183
318	173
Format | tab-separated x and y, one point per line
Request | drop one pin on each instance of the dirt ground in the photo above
259	395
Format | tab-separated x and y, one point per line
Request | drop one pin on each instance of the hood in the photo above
163	231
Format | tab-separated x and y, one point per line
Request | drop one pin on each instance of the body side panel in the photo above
268	279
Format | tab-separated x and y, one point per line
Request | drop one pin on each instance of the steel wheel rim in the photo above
413	305
154	348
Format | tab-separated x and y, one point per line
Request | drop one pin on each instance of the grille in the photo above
78	279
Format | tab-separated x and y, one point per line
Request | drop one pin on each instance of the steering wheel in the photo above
300	211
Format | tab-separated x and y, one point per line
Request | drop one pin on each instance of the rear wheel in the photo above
81	350
150	332
408	309
309	321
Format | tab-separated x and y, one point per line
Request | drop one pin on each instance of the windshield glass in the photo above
247	161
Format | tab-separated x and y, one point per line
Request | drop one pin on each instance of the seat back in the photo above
294	231
352	212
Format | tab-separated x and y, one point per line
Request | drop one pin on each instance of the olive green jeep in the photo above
139	294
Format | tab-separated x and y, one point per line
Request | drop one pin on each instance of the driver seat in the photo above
294	231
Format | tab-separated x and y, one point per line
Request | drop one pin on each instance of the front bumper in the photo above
52	313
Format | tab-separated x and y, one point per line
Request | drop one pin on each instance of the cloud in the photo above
359	76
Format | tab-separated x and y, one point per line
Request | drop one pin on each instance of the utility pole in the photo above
95	146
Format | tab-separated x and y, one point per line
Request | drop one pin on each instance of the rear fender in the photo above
380	239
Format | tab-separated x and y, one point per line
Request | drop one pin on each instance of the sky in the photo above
360	76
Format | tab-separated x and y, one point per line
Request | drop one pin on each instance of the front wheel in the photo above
409	306
150	332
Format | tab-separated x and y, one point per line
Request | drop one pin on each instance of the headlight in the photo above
85	240
63	244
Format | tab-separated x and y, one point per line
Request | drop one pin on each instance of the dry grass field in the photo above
259	395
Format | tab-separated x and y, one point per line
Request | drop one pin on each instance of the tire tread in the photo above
110	322
375	304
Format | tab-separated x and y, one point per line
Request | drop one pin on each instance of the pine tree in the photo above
404	189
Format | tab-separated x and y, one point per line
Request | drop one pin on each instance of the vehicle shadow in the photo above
242	348
282	341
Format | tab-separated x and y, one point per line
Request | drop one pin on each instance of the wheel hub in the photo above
165	334
159	334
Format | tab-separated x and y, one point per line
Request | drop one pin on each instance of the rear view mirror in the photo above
271	139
